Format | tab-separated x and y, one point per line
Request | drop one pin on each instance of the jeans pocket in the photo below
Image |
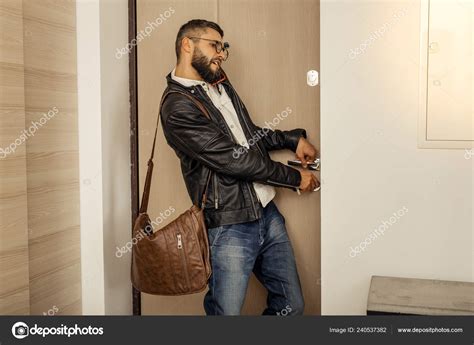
213	234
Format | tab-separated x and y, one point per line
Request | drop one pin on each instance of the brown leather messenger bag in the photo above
173	260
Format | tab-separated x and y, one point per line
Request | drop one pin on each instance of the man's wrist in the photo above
293	138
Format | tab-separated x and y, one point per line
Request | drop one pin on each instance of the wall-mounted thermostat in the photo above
312	78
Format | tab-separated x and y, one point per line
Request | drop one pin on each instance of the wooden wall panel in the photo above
39	188
52	156
14	276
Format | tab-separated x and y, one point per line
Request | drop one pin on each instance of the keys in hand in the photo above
309	182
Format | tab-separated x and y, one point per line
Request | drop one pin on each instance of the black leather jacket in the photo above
203	145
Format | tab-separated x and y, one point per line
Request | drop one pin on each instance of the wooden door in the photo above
273	45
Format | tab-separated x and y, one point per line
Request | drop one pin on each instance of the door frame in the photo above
134	163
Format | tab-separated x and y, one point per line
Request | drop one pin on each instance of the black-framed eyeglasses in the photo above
218	45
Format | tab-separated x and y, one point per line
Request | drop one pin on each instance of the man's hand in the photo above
305	152
308	181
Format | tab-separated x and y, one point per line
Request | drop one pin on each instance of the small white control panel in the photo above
312	78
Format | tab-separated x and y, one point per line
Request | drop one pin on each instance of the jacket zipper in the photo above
246	124
216	194
259	150
183	258
251	198
281	184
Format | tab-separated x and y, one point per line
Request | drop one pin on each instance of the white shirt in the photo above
222	101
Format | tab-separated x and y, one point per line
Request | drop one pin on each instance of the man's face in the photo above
205	60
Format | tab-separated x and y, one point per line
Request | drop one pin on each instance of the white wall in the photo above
371	166
90	157
115	155
104	130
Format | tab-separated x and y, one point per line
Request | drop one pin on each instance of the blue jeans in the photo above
261	247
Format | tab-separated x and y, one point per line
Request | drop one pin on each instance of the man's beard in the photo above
203	66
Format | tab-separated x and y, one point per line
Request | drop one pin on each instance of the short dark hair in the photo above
197	27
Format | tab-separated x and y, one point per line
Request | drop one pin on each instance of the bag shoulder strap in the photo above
146	191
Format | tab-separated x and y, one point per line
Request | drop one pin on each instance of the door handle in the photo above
315	165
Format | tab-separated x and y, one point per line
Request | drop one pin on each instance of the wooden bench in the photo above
407	296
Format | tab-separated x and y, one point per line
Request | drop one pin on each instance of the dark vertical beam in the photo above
132	33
